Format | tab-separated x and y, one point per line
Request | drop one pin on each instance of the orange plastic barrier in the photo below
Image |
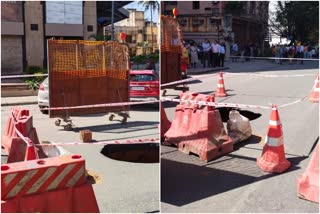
308	182
273	156
314	96
165	123
179	128
199	130
56	184
16	147
221	92
9	131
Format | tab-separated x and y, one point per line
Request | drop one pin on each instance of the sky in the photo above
147	15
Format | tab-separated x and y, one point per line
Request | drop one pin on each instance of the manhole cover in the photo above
137	153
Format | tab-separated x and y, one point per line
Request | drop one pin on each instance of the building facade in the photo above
27	25
225	21
138	32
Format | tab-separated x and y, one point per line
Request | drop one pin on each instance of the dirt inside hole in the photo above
137	153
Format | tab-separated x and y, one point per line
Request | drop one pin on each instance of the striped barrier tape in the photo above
100	105
230	73
234	105
131	141
270	75
273	58
23	76
215	104
187	80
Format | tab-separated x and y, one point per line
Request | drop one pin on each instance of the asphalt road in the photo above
121	186
234	182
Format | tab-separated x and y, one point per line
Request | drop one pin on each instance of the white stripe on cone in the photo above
274	123
220	85
317	89
275	142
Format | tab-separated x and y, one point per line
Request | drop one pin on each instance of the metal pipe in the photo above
112	21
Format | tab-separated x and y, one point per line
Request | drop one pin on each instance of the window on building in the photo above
129	38
34	27
89	28
196	5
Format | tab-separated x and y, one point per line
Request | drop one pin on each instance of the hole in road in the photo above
137	153
224	112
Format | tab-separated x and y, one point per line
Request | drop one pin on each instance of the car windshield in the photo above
142	77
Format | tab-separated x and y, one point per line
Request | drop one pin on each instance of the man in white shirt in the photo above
215	47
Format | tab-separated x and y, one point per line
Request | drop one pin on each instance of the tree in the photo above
152	6
297	19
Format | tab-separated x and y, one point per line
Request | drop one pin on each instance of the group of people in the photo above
294	51
210	54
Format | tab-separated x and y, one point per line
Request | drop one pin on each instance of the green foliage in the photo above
33	82
298	18
142	59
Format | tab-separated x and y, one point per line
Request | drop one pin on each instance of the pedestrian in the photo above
222	54
215	47
206	49
290	54
194	55
277	54
234	51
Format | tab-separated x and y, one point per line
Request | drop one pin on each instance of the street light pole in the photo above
112	21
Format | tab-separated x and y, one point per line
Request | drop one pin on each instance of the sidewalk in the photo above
23	100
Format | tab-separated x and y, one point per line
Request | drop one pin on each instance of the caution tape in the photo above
23	76
230	73
270	75
130	141
215	104
187	80
273	58
100	105
233	105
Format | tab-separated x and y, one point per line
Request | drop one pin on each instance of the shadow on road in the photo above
119	128
184	183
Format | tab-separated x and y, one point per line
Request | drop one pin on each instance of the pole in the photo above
112	21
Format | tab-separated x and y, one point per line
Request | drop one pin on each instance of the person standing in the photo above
222	54
234	51
206	49
194	55
215	47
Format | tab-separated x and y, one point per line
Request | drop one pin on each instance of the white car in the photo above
43	95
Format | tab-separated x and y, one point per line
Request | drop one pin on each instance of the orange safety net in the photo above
170	35
87	73
85	59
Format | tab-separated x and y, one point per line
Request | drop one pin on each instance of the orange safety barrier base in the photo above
165	123
308	182
198	131
79	199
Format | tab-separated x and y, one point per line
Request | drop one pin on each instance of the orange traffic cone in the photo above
31	152
273	157
314	97
308	182
221	92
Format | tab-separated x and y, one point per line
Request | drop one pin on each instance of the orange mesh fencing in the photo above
171	47
170	35
86	73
